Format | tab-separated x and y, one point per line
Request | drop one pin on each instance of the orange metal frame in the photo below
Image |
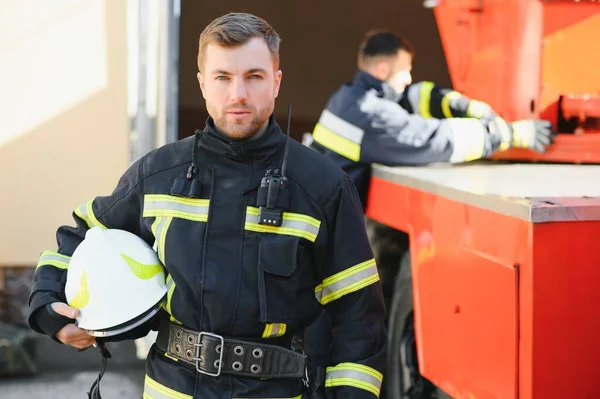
504	308
521	56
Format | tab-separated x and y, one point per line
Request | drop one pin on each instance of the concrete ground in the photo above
72	384
65	373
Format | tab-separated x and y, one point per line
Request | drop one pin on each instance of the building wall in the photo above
63	116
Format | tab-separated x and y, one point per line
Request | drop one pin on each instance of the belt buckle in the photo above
199	358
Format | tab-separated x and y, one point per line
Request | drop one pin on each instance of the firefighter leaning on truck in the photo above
202	200
381	117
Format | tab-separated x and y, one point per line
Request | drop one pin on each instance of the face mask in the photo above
400	80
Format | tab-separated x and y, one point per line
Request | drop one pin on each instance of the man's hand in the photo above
532	134
480	110
71	334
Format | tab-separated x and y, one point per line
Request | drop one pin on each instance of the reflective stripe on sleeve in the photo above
504	132
347	281
446	111
354	375
55	259
522	136
425	99
86	213
338	135
469	139
160	205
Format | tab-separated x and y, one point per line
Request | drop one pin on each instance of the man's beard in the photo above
243	129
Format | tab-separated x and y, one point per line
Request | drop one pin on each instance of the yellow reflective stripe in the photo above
167	305
155	390
469	139
159	229
86	213
157	205
347	281
51	258
336	143
294	224
274	330
170	289
521	134
504	132
425	98
354	375
446	103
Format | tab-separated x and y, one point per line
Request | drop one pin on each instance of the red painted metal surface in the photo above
521	56
504	308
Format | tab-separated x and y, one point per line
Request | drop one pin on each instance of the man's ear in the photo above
278	77
201	82
383	70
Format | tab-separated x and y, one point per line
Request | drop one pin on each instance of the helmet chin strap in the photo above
94	392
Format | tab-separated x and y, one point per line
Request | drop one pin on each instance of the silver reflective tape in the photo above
54	258
176	206
160	226
414	96
354	375
287	224
468	138
154	390
346	282
170	282
277	329
341	127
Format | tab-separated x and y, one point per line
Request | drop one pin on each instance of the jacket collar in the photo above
366	81
257	147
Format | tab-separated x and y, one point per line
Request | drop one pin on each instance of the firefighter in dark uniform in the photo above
257	241
382	117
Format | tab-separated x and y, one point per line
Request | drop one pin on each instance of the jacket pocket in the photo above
278	259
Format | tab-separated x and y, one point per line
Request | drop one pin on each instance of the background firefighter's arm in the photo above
389	135
351	293
431	101
122	210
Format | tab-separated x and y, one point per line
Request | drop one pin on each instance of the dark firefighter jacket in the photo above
230	275
364	123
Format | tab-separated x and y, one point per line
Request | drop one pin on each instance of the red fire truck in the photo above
498	289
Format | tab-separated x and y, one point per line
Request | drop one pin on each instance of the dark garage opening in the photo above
318	49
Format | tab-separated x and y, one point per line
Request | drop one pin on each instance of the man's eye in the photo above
221	77
254	76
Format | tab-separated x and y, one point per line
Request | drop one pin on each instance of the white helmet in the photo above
116	281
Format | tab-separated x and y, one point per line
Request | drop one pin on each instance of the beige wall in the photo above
63	119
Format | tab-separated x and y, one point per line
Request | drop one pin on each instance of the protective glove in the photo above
533	135
480	110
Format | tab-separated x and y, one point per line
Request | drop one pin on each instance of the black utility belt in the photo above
214	354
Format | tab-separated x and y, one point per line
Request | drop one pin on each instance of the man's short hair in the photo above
382	43
235	29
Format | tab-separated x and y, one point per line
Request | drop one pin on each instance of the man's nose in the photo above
238	91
